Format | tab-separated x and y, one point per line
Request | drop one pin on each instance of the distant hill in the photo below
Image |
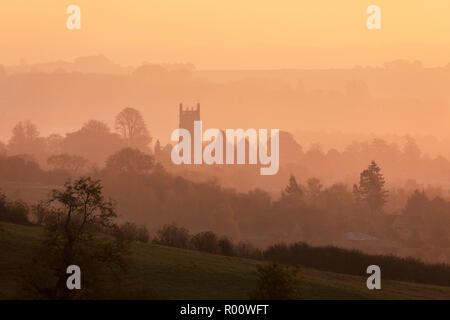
88	64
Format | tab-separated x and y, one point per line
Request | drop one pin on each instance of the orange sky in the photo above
237	34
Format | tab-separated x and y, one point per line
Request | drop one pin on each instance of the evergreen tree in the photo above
292	189
371	192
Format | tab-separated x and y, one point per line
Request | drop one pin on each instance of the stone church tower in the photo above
187	118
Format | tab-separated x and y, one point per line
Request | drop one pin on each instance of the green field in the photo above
171	273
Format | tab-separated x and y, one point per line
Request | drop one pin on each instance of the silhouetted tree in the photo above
42	214
171	235
314	187
131	126
226	246
276	282
25	139
292	189
94	141
131	161
246	249
411	151
371	190
13	211
20	168
130	231
157	148
417	204
67	162
53	143
80	209
205	241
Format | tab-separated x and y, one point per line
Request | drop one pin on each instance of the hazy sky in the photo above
242	34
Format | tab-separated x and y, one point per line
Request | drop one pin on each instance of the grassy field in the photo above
171	273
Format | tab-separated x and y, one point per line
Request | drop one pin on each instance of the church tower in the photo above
187	118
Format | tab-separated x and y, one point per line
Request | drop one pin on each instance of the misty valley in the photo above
210	154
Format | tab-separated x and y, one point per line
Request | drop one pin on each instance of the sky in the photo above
232	34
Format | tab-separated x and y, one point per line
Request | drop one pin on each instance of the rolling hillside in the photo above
170	273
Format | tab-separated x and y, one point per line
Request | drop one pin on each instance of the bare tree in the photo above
26	139
131	126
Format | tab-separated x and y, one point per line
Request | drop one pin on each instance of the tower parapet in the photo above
187	118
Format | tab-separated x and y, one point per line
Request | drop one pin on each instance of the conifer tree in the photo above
370	191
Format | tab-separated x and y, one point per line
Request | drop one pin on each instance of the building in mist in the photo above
187	117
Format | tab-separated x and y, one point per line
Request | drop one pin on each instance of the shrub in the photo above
130	231
247	250
205	241
13	211
226	246
171	235
276	282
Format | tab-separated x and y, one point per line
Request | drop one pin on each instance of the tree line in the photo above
76	216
